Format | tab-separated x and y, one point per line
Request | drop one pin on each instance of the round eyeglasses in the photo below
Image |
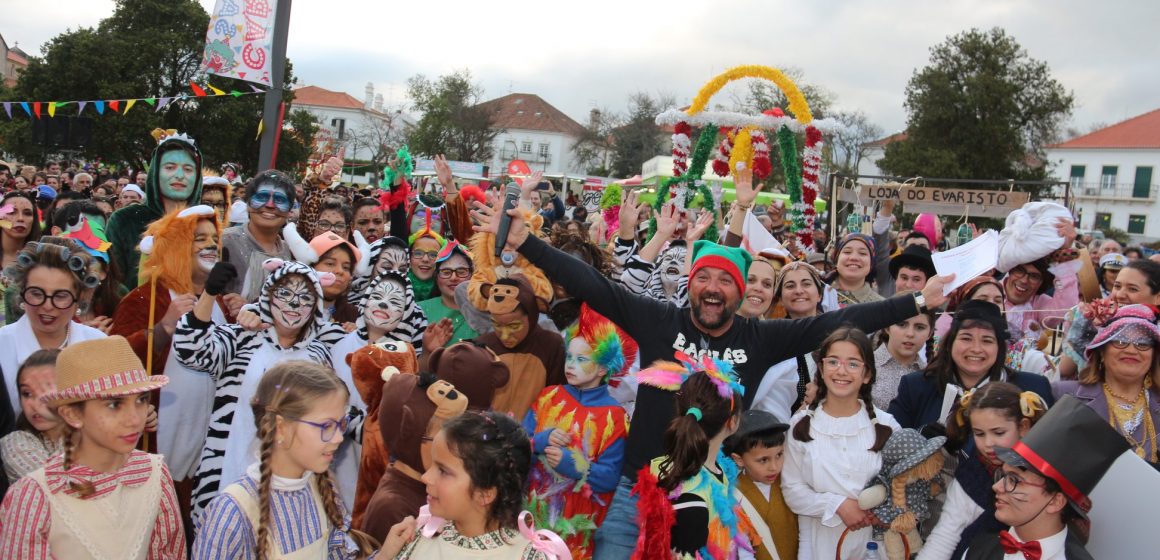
61	299
329	428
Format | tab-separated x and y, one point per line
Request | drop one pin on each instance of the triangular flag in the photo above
162	102
197	89
129	105
236	93
52	109
100	107
151	101
36	108
216	91
261	127
82	106
8	109
115	105
256	88
27	109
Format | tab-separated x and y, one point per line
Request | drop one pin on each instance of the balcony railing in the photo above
1127	192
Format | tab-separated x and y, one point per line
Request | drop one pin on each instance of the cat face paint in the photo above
385	305
394	259
292	303
672	267
205	245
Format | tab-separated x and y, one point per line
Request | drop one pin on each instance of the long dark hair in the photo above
496	453
34	231
687	438
1001	396
1150	270
855	336
942	369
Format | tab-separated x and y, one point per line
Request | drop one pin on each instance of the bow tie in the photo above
1011	545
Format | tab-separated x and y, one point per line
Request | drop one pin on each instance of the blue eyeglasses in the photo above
262	198
327	430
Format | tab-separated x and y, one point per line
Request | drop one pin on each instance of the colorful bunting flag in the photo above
261	127
52	109
162	102
36	108
100	107
216	91
27	109
115	105
129	103
8	109
151	101
235	93
197	89
82	107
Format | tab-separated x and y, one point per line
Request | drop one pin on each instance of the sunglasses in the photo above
1140	344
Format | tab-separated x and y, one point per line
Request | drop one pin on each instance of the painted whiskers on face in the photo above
292	304
385	305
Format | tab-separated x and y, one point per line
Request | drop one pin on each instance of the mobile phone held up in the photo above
511	197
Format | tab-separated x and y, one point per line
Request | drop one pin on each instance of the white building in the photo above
1112	176
533	131
347	122
875	151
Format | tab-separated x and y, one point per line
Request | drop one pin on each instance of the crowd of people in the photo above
197	365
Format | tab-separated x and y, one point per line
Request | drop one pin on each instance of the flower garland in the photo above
610	205
811	164
684	195
797	101
721	156
742	150
762	166
682	141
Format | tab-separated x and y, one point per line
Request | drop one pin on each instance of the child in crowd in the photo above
38	429
475	494
100	497
286	505
758	448
833	453
687	506
995	415
578	433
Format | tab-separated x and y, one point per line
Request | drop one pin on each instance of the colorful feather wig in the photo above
612	348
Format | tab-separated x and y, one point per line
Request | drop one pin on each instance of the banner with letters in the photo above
239	41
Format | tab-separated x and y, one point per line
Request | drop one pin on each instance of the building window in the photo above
544	150
1143	185
1077	173
1136	223
526	147
1108	177
340	126
1103	221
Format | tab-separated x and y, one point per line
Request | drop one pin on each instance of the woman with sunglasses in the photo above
269	197
1119	381
285	324
54	278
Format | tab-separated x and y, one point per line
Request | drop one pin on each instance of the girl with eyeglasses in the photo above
286	505
425	247
285	324
1119	381
834	451
453	267
54	278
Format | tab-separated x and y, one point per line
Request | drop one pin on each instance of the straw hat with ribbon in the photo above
118	372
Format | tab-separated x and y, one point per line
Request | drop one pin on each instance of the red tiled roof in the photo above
1142	131
526	111
314	95
898	137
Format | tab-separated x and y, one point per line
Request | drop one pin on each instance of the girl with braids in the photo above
286	505
475	494
99	497
38	429
54	278
687	507
994	415
834	451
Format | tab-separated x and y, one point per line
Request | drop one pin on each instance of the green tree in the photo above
639	138
453	123
146	48
982	109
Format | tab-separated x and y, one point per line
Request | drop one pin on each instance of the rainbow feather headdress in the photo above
670	375
612	348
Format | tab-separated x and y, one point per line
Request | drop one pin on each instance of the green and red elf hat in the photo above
733	260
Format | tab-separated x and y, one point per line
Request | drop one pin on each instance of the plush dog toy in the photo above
370	367
489	268
910	469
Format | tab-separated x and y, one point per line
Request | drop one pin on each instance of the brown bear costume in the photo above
370	367
413	408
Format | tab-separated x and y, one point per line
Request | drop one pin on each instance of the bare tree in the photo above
852	144
594	151
380	135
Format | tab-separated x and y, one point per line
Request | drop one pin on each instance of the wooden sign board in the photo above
935	200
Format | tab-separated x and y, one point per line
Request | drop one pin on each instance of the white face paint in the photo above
293	302
672	267
393	258
385	305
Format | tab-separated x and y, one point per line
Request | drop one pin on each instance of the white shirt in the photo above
349	456
778	388
1053	547
821	474
958	512
18	342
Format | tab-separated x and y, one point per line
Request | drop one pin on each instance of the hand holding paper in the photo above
969	260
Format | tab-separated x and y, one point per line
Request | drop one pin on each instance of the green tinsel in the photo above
692	177
611	196
565	527
787	142
405	162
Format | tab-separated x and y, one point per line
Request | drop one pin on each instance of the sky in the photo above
596	53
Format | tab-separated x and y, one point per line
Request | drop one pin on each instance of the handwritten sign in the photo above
969	260
916	200
239	41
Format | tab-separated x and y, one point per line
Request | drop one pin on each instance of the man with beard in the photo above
709	327
173	180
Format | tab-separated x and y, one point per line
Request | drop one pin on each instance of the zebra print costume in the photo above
414	322
232	355
643	277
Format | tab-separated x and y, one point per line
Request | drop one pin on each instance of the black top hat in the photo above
1071	445
914	256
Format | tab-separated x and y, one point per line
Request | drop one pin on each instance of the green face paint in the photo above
177	175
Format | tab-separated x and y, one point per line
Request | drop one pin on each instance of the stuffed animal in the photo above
411	411
370	367
489	268
910	469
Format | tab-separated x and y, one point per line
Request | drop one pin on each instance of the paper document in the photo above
968	261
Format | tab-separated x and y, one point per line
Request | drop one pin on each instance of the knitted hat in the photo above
861	237
117	372
1133	319
733	260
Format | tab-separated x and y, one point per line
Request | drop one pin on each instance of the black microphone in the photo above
511	197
